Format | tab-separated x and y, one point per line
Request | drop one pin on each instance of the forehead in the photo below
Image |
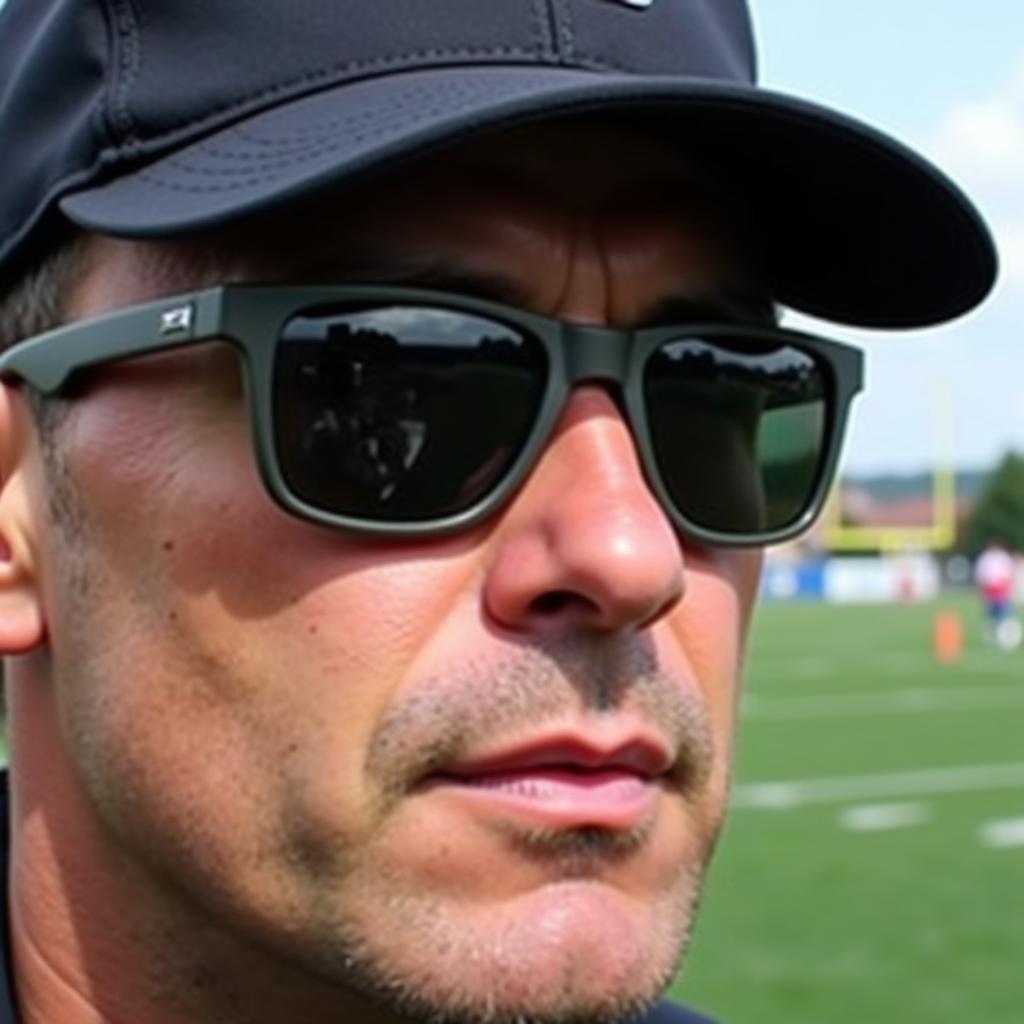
481	195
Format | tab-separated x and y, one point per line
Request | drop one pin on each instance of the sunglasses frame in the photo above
251	317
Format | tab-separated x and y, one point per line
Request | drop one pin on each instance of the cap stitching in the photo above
313	135
270	169
567	30
127	48
331	126
551	21
591	60
380	63
586	63
542	28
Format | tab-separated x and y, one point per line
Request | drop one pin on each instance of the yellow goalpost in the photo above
938	535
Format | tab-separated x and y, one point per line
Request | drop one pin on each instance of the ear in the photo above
22	620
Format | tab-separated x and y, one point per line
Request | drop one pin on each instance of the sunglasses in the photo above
407	412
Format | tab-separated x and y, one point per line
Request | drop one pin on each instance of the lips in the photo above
564	781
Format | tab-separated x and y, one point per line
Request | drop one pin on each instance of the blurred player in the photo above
995	574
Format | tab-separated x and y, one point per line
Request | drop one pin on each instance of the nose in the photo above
584	545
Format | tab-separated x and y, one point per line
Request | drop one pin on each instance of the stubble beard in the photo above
463	980
458	974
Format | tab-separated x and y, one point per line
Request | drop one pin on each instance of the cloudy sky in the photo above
947	77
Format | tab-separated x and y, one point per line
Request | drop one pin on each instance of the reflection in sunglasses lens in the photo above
409	413
739	434
401	413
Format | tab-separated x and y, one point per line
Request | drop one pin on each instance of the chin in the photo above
576	952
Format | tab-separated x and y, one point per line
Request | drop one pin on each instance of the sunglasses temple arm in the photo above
49	361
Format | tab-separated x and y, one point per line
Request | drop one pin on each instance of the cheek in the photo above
710	627
173	502
227	657
707	633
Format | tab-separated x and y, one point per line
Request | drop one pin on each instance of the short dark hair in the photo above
37	302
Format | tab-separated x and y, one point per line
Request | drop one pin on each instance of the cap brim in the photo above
849	225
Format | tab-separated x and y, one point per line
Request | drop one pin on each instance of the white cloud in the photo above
985	138
1010	238
981	143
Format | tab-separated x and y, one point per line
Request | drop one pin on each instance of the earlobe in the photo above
22	623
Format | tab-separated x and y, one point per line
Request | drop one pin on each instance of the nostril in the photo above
555	601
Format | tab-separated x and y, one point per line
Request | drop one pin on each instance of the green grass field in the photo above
881	877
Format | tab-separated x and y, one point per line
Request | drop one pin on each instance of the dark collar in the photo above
7	1012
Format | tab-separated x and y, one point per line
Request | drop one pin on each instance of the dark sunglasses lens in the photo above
739	429
401	413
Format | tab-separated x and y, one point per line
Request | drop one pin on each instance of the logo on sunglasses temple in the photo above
172	321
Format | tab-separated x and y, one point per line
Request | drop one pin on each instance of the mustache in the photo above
448	715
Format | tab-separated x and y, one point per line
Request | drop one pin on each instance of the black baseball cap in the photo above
155	118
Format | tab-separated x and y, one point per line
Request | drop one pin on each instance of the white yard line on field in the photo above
883	817
1002	835
785	795
890	702
894	663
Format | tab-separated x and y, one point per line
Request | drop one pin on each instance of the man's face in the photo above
480	774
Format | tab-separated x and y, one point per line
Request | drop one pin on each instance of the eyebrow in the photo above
404	270
729	304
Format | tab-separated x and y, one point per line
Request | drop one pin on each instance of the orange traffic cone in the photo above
947	637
